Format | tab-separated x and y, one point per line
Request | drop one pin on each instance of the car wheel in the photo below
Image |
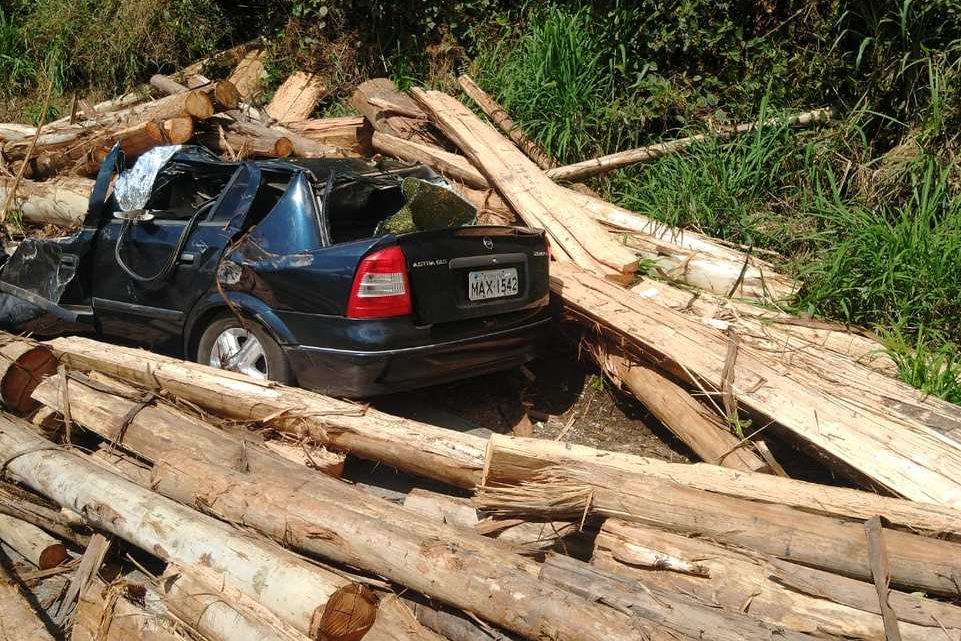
245	348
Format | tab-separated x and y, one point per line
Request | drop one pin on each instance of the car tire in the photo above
226	337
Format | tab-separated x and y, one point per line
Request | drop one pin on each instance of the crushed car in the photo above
346	276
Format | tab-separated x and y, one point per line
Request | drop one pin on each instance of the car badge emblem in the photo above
488	243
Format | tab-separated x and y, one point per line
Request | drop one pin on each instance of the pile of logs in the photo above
146	497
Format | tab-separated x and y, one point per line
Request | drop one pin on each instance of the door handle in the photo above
187	258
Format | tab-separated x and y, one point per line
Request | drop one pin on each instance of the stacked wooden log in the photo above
172	517
49	166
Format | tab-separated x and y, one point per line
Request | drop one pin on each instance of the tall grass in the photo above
555	80
894	264
104	43
729	190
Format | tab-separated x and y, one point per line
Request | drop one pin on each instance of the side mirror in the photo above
134	215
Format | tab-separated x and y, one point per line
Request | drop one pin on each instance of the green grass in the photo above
555	80
107	44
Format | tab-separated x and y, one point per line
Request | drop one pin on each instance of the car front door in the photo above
146	284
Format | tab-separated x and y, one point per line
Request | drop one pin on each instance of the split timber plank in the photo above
296	98
532	194
679	255
893	450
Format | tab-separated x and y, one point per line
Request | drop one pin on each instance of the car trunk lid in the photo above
475	271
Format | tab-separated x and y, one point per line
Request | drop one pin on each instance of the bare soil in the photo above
563	397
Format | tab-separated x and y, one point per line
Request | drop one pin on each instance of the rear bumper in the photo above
360	374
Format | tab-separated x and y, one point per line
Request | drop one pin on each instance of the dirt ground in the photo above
565	400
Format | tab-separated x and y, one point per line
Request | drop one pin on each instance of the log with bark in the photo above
452	166
296	97
745	581
689	257
152	430
689	420
348	132
523	536
32	543
61	202
124	101
870	440
292	589
511	461
18	620
16	503
391	112
452	457
373	534
788	533
539	201
238	123
73	145
604	164
502	119
238	146
673	613
200	598
138	139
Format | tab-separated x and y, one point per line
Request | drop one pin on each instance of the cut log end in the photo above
347	616
198	105
24	371
177	131
53	556
226	95
283	148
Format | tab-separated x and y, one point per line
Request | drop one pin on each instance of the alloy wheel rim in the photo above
239	350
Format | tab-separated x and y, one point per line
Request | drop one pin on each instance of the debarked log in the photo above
445	455
294	590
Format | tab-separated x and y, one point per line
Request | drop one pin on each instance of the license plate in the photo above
492	283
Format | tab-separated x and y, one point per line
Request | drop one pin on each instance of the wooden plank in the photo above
897	451
296	97
525	187
881	573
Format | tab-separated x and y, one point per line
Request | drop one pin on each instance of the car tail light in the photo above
381	287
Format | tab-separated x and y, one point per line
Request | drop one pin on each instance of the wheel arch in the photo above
216	305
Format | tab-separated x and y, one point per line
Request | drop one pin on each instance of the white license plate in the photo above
492	283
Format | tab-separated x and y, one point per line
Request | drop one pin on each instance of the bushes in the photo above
894	265
108	44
